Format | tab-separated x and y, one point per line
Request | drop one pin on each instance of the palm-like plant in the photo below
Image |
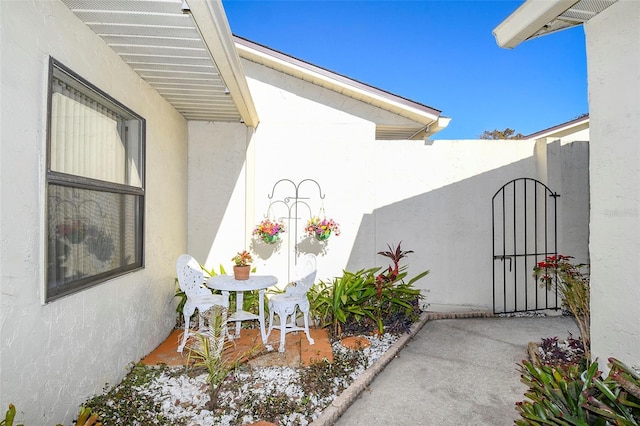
206	352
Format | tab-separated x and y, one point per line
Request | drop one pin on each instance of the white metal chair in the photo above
295	296
191	279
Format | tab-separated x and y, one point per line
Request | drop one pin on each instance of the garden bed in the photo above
315	395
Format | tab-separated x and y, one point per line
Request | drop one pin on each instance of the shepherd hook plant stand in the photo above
292	203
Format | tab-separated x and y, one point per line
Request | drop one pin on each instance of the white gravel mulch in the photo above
251	394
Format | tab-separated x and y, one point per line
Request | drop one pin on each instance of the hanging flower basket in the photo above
269	230
270	239
322	229
74	230
323	236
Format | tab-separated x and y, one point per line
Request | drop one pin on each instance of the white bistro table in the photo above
227	283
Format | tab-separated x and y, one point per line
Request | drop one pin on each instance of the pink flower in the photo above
268	227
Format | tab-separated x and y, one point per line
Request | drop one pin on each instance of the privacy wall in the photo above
56	355
315	153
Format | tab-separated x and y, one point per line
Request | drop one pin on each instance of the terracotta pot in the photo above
241	272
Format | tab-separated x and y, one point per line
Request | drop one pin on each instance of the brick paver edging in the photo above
339	405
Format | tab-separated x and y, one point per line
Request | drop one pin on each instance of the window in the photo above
95	185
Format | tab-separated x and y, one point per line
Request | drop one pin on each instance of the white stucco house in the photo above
612	29
135	131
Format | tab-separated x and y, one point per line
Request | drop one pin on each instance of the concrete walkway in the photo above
455	372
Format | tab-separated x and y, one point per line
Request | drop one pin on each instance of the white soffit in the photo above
180	53
425	121
539	17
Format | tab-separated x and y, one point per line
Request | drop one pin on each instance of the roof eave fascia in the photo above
211	21
562	129
248	49
528	19
436	126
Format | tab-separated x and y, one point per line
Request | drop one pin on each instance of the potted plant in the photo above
269	230
322	228
242	267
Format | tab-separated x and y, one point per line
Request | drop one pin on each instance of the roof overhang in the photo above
535	18
563	129
182	48
424	120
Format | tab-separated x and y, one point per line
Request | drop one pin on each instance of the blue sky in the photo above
439	53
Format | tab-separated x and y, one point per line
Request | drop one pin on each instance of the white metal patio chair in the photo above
191	279
286	304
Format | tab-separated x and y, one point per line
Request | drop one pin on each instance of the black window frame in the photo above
82	183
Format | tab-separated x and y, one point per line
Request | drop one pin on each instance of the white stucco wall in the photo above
613	44
434	196
55	356
217	196
580	135
443	206
443	211
307	132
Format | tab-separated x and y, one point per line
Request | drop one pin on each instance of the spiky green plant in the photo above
618	397
556	394
367	294
566	396
346	297
206	349
9	416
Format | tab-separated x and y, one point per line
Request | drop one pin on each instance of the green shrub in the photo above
370	298
345	298
127	403
205	351
563	395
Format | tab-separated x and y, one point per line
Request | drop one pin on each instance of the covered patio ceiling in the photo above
183	50
535	18
186	51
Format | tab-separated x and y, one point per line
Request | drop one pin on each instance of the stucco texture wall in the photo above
55	356
443	207
613	43
307	132
434	196
217	196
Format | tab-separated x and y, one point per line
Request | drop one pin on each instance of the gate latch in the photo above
503	258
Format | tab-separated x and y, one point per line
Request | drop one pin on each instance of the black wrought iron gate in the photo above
524	213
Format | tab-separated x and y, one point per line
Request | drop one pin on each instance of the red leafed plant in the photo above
392	292
390	275
572	280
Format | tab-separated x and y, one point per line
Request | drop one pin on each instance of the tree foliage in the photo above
501	134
